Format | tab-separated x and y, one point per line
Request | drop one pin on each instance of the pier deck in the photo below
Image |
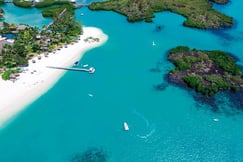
90	70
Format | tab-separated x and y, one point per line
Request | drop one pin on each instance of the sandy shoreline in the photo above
38	79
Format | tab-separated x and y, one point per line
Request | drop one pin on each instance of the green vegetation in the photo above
216	83
225	62
7	74
205	71
179	49
30	41
1	2
53	11
47	3
42	4
1	10
198	13
59	5
193	81
25	4
181	64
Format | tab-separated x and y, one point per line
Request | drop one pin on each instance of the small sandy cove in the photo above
37	78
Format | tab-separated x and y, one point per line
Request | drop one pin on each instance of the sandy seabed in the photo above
37	79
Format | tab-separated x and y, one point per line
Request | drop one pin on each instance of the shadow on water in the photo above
223	34
161	86
228	38
164	69
93	154
228	103
158	28
148	128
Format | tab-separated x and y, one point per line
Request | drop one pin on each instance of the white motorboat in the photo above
153	43
125	125
85	65
91	70
216	119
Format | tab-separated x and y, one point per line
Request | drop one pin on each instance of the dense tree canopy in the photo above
31	41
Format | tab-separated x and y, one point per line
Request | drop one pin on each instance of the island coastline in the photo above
37	79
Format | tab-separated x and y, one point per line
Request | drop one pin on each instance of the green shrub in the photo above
54	11
6	74
179	49
25	4
225	62
218	81
193	81
181	64
47	3
190	59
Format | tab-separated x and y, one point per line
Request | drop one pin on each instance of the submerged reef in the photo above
90	155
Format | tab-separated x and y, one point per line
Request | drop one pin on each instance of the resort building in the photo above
3	41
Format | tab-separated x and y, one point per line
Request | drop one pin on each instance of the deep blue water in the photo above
167	125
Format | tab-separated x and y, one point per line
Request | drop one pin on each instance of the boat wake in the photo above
150	128
147	135
142	117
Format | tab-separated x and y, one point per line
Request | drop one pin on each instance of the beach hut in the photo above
38	36
21	27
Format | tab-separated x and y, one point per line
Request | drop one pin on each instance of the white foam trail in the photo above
147	135
148	125
142	117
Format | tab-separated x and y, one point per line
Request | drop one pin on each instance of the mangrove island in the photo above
198	13
206	72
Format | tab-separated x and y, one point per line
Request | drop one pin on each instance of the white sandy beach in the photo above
38	79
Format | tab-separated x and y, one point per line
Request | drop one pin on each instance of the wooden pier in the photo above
89	70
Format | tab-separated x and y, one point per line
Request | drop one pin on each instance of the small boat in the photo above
76	63
85	65
91	70
81	14
153	43
216	119
90	95
125	125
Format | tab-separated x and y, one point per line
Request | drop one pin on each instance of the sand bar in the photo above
38	79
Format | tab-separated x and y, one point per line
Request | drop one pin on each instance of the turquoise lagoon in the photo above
66	124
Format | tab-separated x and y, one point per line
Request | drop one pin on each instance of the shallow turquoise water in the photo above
168	125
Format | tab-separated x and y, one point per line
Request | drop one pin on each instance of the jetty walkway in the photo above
89	70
